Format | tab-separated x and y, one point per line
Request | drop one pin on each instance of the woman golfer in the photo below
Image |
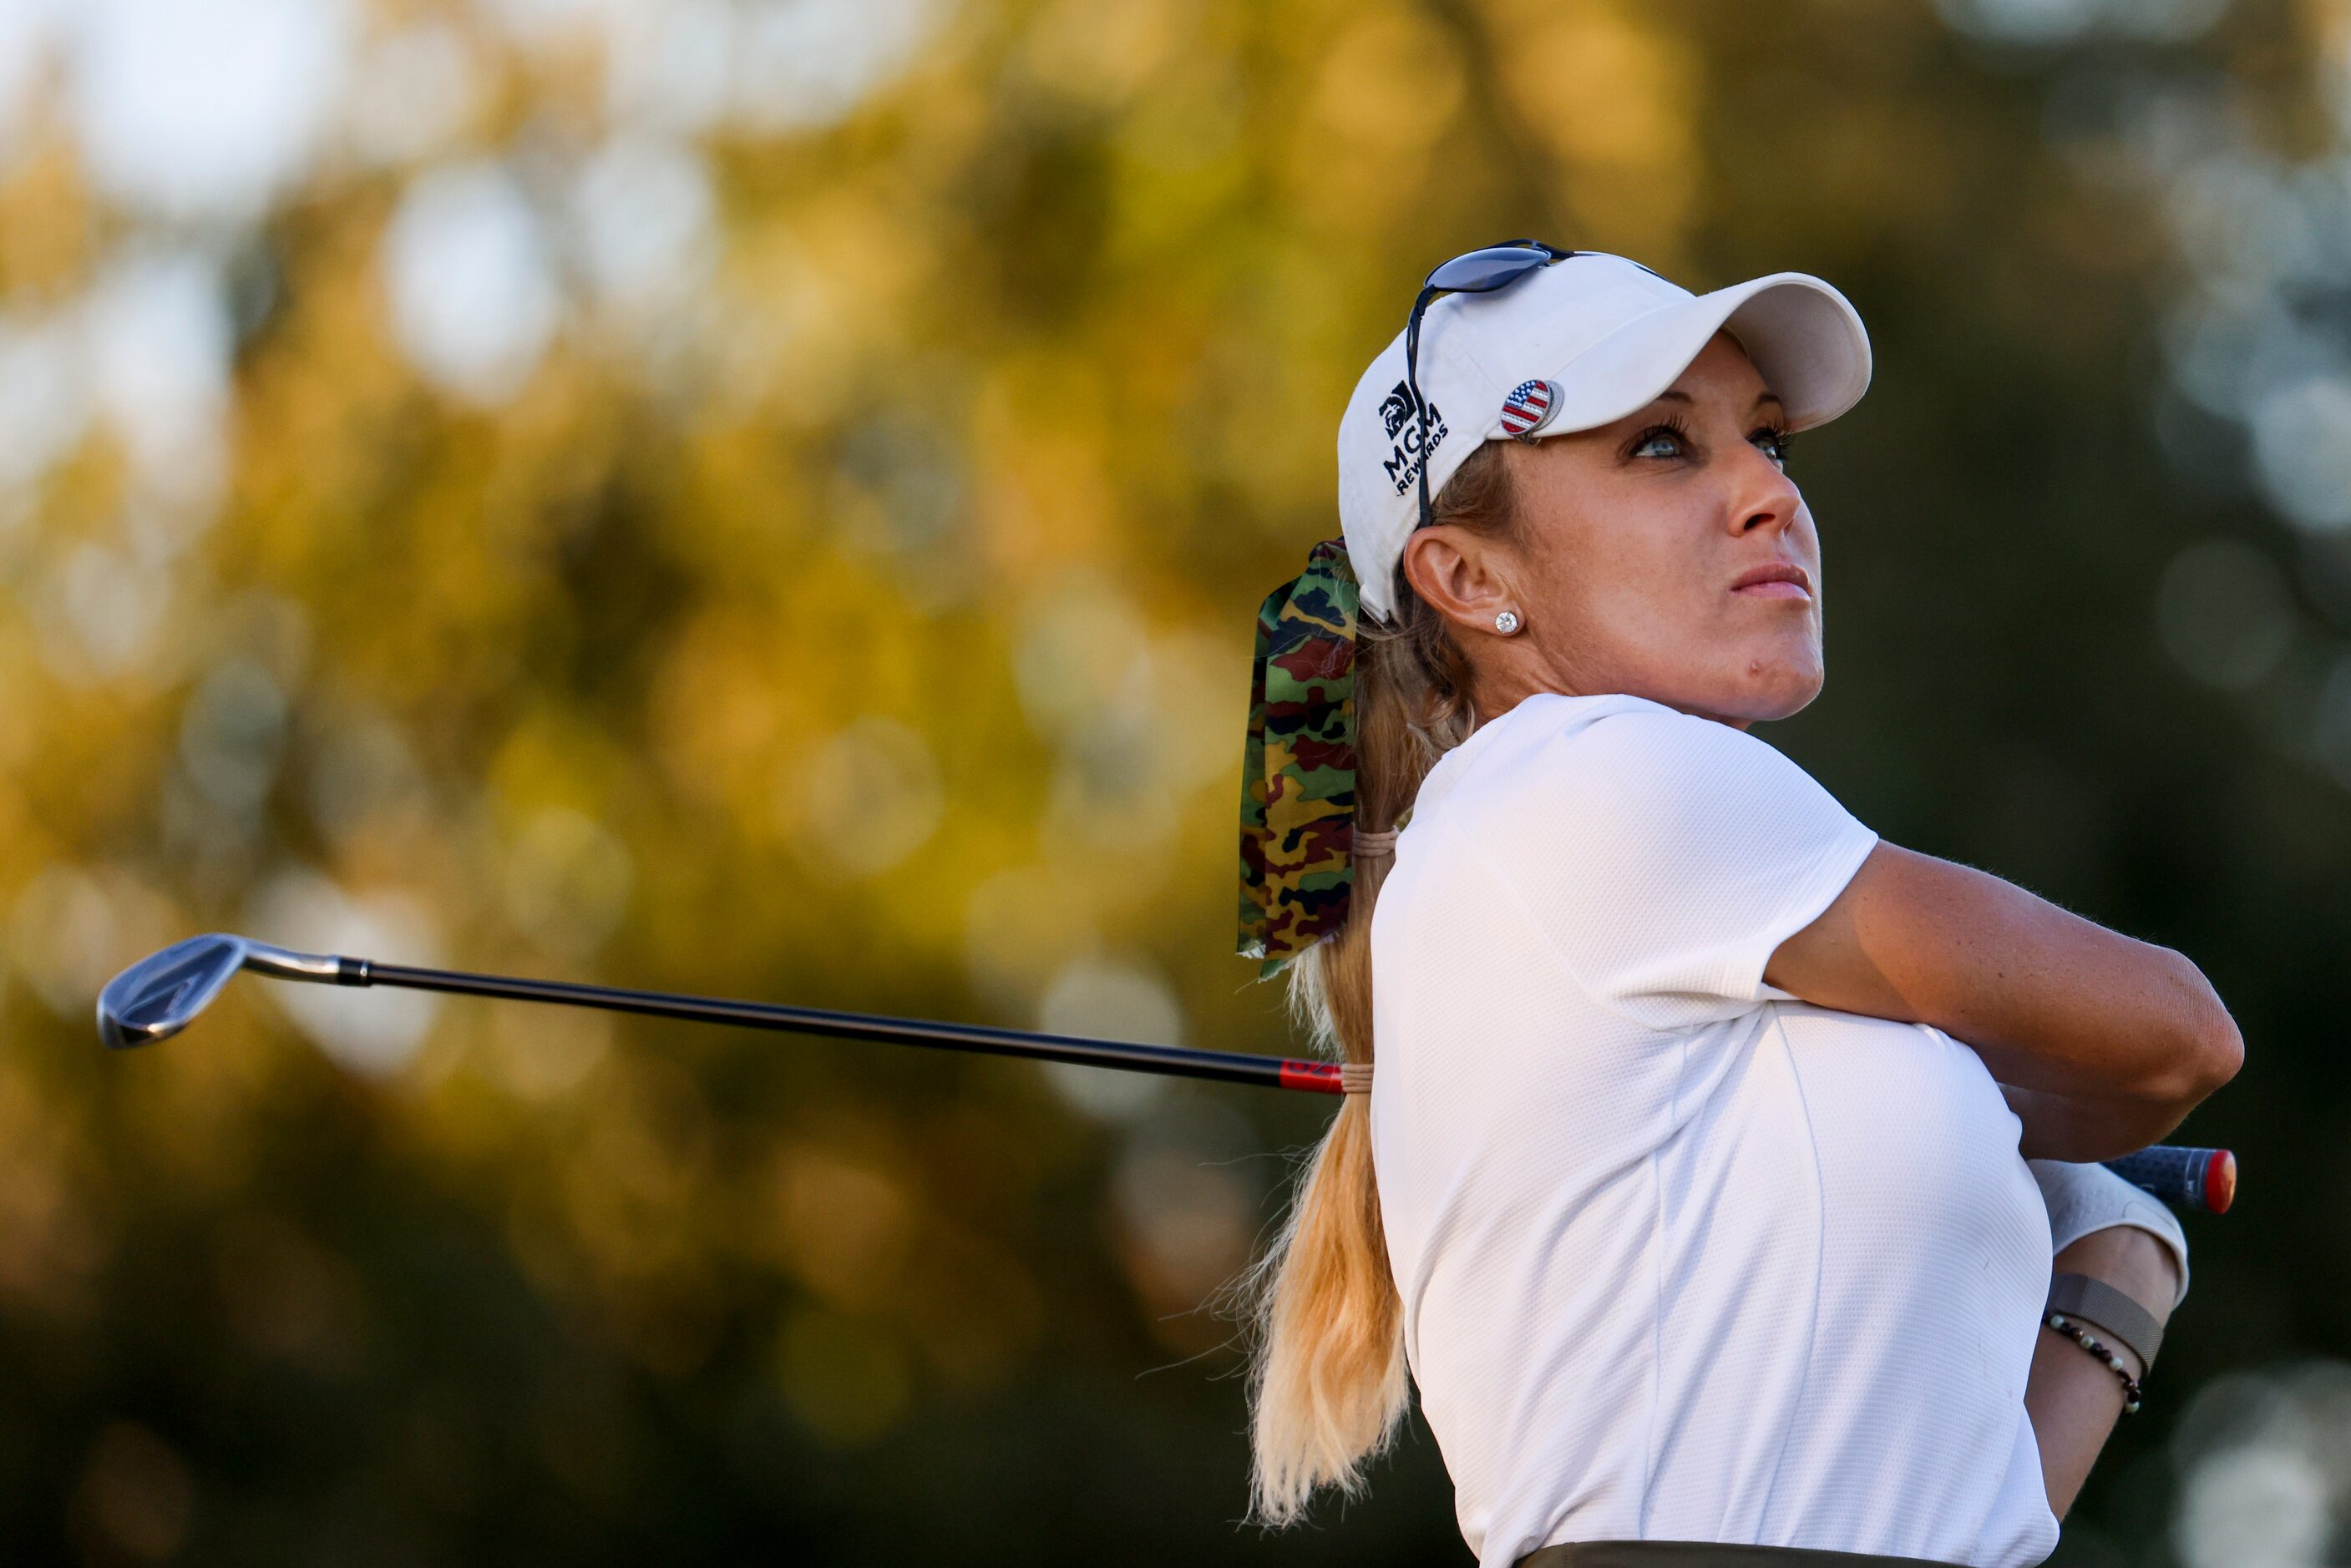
1692	1187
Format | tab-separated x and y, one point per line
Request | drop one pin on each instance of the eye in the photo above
1670	433
1775	442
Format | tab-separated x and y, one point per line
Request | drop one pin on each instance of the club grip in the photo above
2200	1179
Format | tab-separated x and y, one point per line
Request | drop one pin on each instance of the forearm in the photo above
2072	1397
2064	1127
2074	1402
2051	1003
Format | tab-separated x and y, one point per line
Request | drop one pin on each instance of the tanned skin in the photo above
1682	565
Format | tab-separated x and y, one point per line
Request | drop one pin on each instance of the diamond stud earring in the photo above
1506	622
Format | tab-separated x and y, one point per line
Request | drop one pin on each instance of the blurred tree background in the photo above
767	496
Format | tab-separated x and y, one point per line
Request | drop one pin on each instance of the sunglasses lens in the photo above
1480	270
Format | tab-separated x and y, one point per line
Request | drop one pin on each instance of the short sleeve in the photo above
1665	858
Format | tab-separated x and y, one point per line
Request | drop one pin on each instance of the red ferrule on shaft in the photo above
1314	1078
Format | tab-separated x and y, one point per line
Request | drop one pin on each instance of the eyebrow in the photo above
1674	395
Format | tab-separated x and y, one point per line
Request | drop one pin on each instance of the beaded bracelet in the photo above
2079	1335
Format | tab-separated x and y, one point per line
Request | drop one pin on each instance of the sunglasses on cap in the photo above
1475	271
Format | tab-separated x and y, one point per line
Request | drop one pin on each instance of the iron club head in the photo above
161	994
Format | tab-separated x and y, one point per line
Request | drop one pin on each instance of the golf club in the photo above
163	993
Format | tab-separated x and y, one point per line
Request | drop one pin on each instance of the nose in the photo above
1765	498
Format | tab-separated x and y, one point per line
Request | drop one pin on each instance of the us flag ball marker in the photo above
1528	407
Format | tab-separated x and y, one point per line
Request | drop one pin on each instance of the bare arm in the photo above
2062	1126
2114	1041
2073	1398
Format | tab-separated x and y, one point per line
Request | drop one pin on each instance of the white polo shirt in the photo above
1682	1258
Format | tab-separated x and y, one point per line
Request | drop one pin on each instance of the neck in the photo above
1496	692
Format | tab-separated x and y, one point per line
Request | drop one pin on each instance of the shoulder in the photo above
1621	787
1652	742
1551	751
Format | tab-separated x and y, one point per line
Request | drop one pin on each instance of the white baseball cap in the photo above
1579	343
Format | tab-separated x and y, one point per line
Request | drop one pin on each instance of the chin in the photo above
1786	704
1775	689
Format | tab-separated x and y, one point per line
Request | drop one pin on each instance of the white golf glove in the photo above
2086	1198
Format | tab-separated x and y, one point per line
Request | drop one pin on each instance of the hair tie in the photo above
1369	843
1298	772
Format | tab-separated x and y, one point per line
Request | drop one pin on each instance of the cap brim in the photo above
1805	337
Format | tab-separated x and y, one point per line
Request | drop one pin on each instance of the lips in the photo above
1778	580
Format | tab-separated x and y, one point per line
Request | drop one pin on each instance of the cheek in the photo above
1630	570
1654	566
1626	593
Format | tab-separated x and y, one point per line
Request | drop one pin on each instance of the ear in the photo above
1463	576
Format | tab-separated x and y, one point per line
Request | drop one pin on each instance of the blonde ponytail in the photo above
1327	1386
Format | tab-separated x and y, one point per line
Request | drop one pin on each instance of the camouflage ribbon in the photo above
1298	775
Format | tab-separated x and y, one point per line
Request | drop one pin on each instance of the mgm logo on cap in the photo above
1414	438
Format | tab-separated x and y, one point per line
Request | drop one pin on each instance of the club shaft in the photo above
1175	1061
2176	1175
